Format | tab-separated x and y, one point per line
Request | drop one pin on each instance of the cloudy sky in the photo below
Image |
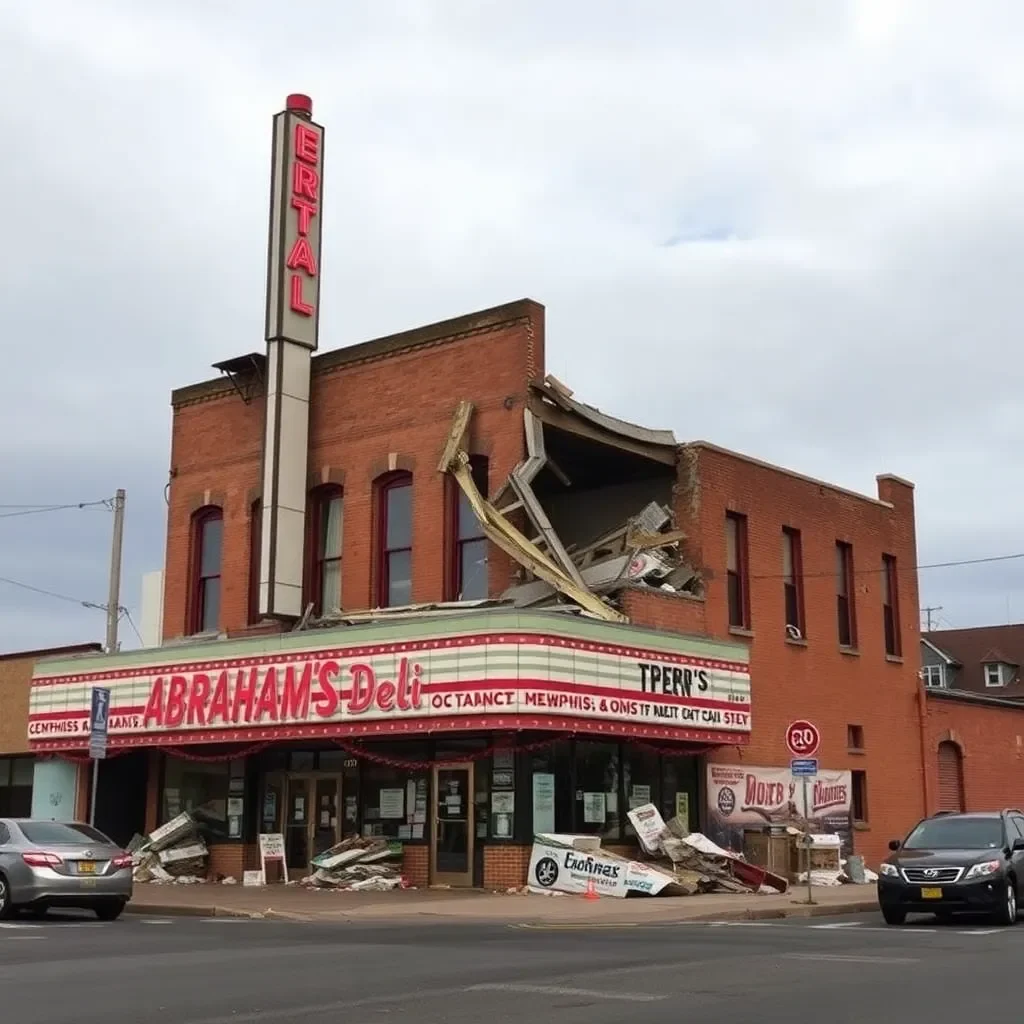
809	216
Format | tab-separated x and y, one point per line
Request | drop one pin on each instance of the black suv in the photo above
956	863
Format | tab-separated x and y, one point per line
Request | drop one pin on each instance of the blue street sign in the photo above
804	766
99	719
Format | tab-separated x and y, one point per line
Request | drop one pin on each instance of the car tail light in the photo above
122	860
41	860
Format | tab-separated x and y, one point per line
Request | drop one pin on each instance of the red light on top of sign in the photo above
300	103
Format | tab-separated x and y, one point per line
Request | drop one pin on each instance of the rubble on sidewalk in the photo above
695	861
357	864
173	853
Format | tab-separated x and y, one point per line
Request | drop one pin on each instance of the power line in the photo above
131	622
48	593
33	510
899	568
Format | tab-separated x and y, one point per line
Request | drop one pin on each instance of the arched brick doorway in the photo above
951	777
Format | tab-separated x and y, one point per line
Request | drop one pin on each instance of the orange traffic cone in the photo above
591	893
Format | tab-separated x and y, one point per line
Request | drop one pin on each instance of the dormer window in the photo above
995	674
934	677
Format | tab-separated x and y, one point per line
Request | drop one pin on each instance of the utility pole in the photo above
114	593
113	615
928	615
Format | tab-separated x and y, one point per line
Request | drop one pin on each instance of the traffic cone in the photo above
591	893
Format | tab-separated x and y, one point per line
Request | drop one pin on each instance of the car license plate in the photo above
87	867
931	894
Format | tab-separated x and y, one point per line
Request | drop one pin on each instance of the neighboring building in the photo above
47	786
985	659
414	588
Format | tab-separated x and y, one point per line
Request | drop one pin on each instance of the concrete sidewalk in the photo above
292	903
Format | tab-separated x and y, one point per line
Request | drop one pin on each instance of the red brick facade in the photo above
813	678
990	739
388	404
380	406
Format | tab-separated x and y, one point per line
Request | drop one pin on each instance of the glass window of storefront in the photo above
16	786
521	785
211	791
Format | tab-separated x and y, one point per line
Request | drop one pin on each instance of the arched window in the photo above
951	777
467	569
326	525
255	545
207	548
394	540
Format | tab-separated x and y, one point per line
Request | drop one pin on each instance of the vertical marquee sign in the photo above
292	328
296	199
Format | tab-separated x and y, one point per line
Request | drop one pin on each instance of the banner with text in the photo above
469	675
741	797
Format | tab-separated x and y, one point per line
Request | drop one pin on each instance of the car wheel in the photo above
6	905
110	911
1006	915
891	915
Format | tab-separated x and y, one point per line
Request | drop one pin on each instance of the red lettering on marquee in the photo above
302	256
270	699
307	144
326	701
295	695
219	705
305	181
198	694
369	692
245	694
306	212
154	713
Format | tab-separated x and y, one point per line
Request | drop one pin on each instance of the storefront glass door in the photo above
311	823
452	845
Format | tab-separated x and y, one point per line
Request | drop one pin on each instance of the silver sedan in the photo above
46	864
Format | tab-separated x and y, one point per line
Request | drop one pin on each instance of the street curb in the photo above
188	910
797	910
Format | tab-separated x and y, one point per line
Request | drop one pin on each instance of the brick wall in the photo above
505	866
812	678
416	866
991	741
384	404
15	684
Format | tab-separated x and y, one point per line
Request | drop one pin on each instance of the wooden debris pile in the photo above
357	864
697	863
175	852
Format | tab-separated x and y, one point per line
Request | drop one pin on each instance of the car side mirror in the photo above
894	844
1017	846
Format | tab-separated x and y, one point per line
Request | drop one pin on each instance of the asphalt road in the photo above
847	970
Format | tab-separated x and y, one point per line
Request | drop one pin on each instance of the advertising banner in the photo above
556	866
484	674
743	797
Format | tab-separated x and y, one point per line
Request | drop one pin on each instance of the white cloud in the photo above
861	161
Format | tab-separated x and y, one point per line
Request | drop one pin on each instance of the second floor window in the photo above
792	583
890	607
207	545
255	547
470	545
736	570
327	523
394	582
845	610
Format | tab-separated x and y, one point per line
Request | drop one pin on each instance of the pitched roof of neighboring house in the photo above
983	645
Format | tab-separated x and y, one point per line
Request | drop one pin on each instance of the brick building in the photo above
46	787
415	588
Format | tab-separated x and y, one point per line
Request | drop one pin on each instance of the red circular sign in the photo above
803	738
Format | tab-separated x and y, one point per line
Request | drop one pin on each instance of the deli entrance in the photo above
451	845
310	821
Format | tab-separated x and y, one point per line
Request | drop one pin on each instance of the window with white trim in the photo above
934	676
994	674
